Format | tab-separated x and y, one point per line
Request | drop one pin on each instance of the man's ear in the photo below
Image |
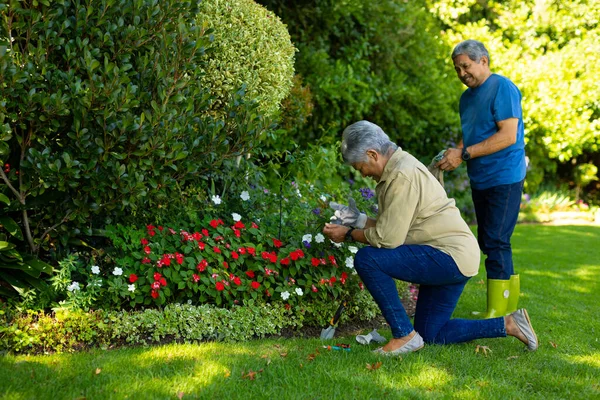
372	154
485	60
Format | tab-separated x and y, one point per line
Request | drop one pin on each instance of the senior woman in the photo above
420	237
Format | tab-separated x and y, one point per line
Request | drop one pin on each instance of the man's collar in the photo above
391	164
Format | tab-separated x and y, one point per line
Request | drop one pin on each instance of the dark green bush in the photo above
103	112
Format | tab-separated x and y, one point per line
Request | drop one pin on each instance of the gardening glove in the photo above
348	215
436	171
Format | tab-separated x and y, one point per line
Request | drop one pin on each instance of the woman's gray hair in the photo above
473	49
362	136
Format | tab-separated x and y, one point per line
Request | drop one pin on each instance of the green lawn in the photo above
559	267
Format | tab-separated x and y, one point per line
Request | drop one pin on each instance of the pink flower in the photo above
196	277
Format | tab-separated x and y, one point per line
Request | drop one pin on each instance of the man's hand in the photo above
452	159
336	233
349	215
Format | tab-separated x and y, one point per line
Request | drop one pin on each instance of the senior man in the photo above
420	237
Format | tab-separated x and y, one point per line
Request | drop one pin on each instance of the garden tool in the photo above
498	292
329	331
513	297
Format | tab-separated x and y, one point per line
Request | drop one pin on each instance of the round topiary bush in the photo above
252	47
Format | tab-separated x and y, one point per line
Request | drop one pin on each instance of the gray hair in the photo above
362	136
473	49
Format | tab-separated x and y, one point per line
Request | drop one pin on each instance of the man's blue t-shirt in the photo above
481	108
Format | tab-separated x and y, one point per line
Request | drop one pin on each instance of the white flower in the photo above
74	286
95	269
319	238
307	238
353	249
131	287
299	291
216	199
323	198
285	295
236	217
298	193
350	262
338	245
117	271
245	195
189	301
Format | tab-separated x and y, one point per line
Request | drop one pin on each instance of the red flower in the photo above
322	261
344	277
332	260
237	232
205	232
179	258
201	245
268	293
197	236
239	225
157	276
315	262
214	223
251	251
202	265
273	257
285	261
250	274
235	255
332	280
163	281
227	245
296	254
219	286
254	226
155	285
147	250
165	260
133	278
146	260
151	233
255	285
160	228
196	277
287	306
237	281
242	250
361	285
144	241
276	243
217	250
314	289
154	294
225	264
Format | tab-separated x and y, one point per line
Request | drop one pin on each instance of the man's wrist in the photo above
348	236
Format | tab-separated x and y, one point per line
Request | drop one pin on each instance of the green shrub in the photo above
251	47
103	109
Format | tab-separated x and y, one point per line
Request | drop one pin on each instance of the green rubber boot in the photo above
498	292
513	297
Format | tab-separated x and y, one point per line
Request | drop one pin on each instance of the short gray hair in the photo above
473	49
362	136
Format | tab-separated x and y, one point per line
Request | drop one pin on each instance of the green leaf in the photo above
4	199
12	227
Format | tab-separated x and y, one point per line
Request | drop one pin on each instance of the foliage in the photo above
19	272
584	174
557	45
381	61
251	47
103	109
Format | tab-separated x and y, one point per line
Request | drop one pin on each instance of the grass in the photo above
559	269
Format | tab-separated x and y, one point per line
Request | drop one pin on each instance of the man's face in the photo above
469	72
369	168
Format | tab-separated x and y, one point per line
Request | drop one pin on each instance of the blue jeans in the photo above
497	210
441	285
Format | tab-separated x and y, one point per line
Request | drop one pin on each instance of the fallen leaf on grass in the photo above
283	354
98	370
483	349
480	282
553	344
311	357
374	366
180	395
264	356
512	357
251	375
277	346
227	374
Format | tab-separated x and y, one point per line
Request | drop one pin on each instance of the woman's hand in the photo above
336	233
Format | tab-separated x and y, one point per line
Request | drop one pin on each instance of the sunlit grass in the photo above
559	270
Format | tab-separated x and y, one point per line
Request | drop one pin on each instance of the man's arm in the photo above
505	136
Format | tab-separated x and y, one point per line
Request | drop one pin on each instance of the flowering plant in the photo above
229	262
